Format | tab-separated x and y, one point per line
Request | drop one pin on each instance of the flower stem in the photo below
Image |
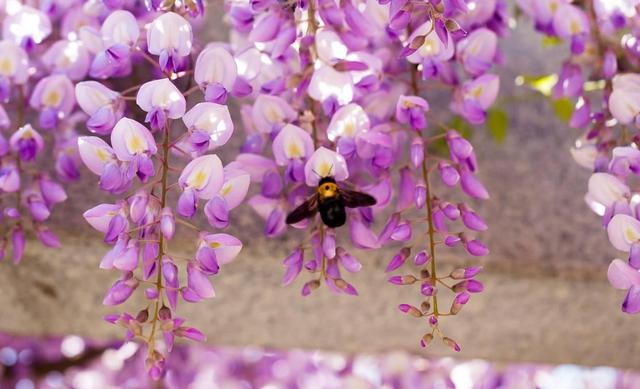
425	177
163	200
430	234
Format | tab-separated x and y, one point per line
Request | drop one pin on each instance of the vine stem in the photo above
163	200
430	233
312	27
425	177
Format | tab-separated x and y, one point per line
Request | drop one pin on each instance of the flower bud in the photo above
167	223
410	310
451	343
476	248
417	152
421	258
164	313
450	211
464	273
402	280
142	316
458	302
398	259
451	240
428	290
151	293
448	173
420	195
426	340
425	306
340	283
310	286
433	321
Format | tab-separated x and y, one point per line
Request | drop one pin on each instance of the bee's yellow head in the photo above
327	190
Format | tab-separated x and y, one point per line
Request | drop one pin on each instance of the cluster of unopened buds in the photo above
602	78
333	103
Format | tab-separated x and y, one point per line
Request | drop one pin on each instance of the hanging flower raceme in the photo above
38	68
138	165
332	119
603	50
332	104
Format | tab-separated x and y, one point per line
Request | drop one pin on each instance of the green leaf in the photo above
543	84
462	126
563	109
497	124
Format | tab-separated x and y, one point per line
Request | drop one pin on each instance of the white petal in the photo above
606	189
327	82
623	230
347	122
621	275
325	163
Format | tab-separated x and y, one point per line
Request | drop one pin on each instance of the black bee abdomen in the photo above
332	212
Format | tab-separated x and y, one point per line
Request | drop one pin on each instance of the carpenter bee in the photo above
331	201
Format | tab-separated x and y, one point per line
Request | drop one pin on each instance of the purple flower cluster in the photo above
328	90
602	78
40	58
337	91
145	135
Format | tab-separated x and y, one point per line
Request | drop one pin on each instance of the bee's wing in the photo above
353	199
304	210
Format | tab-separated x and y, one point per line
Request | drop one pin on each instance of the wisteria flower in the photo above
411	110
133	143
474	97
170	37
161	100
347	122
68	57
27	142
202	178
215	73
328	83
14	67
223	247
477	51
235	187
621	275
95	153
210	126
571	22
432	50
623	230
624	101
291	145
120	28
605	190
325	163
27	26
102	104
54	97
271	113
